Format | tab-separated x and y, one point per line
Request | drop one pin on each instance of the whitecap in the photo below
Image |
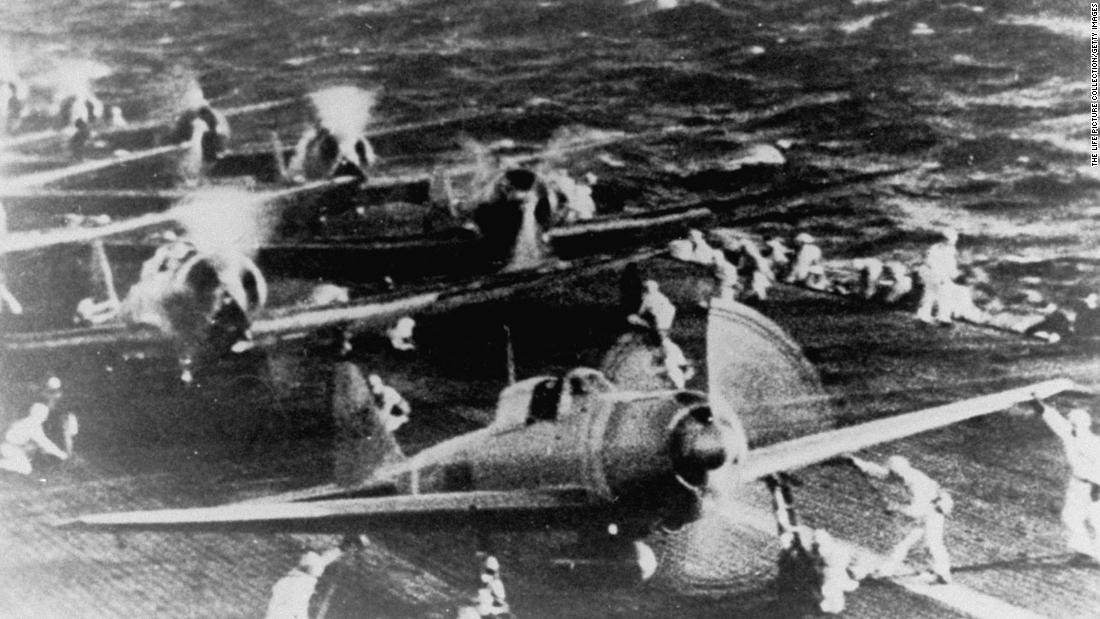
755	154
921	29
299	61
1076	27
856	25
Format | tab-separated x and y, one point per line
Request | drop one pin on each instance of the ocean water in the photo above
984	106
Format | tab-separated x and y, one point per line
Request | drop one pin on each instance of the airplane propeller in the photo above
760	388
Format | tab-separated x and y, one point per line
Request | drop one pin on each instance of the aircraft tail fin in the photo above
363	442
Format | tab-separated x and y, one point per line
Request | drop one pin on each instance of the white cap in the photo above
803	237
491	564
53	383
651	284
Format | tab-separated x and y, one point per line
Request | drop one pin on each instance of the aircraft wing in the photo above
356	317
819	447
39	179
293	323
38	239
342	515
102	336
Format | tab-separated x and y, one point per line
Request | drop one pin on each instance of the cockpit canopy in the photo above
548	398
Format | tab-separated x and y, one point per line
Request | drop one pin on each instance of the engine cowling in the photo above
186	293
206	276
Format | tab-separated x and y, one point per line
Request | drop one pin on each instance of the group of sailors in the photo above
937	289
742	270
832	567
811	557
1077	320
293	594
814	563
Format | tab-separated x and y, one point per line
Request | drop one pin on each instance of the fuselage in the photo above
617	446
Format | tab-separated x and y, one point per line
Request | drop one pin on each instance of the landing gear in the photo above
609	556
797	581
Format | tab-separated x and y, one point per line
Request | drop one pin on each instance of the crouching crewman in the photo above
27	435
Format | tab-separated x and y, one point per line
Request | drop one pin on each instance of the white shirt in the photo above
27	431
1082	448
657	306
290	596
942	262
923	492
808	260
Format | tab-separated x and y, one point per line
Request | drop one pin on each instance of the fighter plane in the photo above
182	289
660	475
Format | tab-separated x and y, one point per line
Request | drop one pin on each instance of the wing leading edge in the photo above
342	515
819	447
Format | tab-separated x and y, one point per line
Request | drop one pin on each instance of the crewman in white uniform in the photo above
928	508
26	435
808	268
402	334
701	251
835	560
393	409
779	254
940	268
491	598
1081	510
726	277
759	269
655	311
574	197
291	594
677	367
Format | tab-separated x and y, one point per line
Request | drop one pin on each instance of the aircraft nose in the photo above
697	446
